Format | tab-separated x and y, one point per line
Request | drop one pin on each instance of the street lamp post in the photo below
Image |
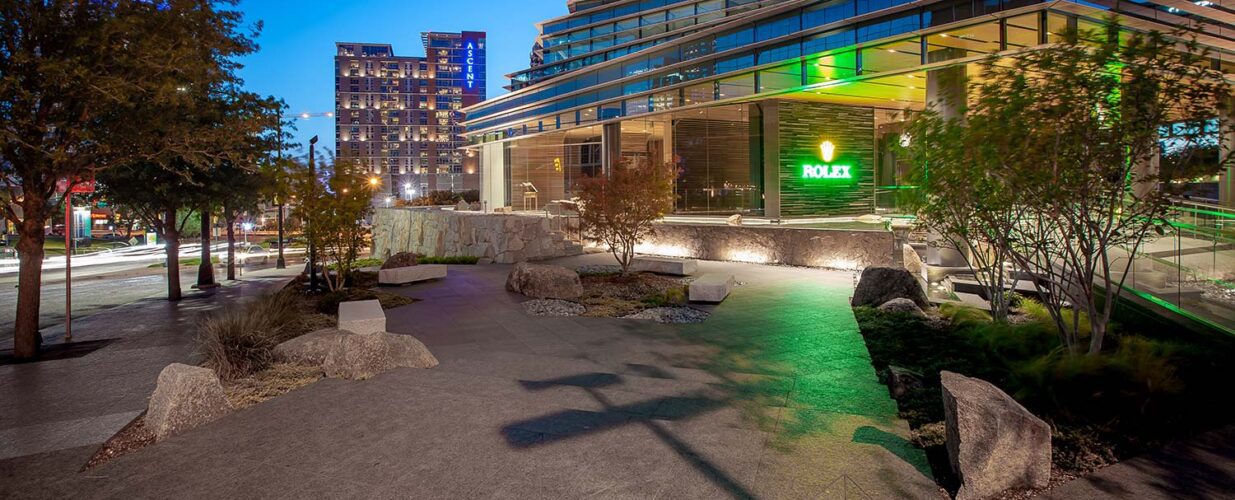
308	229
280	263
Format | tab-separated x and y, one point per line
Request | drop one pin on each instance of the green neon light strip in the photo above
1223	215
1177	310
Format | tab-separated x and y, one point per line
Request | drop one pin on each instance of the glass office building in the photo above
400	117
768	108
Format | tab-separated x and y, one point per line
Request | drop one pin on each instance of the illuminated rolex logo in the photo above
827	149
827	170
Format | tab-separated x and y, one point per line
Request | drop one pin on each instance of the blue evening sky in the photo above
296	60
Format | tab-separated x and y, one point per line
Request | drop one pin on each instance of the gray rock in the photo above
902	305
671	315
902	380
363	355
310	348
994	443
463	206
504	238
881	284
553	307
401	259
544	282
185	397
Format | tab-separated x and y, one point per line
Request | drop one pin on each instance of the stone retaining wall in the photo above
504	238
775	245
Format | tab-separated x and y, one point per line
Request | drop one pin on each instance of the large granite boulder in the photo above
881	284
185	397
360	356
993	442
544	282
902	305
401	259
310	348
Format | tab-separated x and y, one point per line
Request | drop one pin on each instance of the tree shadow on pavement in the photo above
569	424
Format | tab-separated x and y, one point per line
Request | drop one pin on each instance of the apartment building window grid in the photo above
399	117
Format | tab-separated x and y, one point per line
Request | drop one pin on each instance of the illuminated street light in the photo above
373	181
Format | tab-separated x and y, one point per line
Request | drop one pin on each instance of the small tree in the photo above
1065	140
618	209
88	86
335	216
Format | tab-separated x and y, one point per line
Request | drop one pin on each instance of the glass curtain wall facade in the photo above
774	108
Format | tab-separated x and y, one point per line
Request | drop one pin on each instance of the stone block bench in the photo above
362	316
410	274
711	288
665	265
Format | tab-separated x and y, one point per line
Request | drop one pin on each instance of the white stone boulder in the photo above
544	282
994	443
914	264
364	355
902	305
185	397
310	348
411	274
734	220
710	288
665	265
362	316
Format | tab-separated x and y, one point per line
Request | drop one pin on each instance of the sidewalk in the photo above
773	396
81	401
1201	467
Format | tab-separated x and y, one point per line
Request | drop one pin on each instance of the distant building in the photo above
400	116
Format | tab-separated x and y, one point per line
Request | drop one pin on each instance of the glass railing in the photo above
1191	268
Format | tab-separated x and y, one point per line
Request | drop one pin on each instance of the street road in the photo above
101	287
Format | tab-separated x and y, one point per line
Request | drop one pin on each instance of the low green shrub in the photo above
668	298
1120	387
1039	312
963	315
238	342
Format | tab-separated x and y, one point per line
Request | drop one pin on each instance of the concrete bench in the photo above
665	265
362	316
411	274
711	288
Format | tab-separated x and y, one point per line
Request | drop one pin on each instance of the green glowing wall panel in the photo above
803	126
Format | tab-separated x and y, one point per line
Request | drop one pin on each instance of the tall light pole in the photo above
280	263
308	229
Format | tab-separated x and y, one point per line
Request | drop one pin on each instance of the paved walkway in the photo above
80	402
773	396
1202	467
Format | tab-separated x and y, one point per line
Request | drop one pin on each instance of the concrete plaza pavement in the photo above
773	396
75	402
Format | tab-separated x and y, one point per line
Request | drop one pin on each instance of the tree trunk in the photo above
171	233
205	271
26	337
231	248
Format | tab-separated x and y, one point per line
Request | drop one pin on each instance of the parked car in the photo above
251	254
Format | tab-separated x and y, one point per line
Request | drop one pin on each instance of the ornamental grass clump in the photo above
239	342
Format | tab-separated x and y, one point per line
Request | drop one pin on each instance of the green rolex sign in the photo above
827	170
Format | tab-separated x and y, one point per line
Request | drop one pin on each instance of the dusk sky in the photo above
296	60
